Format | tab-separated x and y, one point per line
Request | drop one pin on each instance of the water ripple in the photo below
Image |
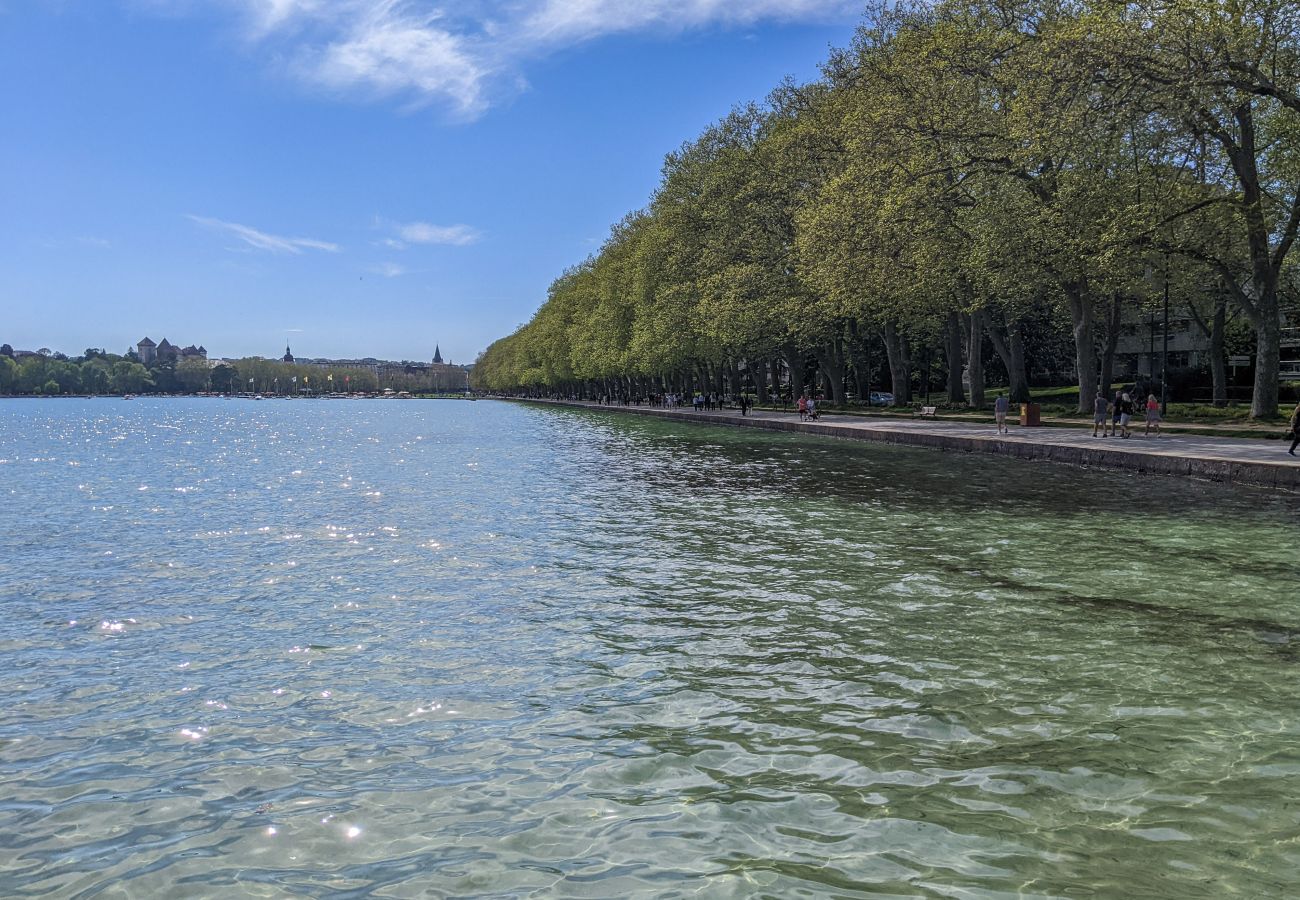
452	649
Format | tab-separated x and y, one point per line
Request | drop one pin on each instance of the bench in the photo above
927	412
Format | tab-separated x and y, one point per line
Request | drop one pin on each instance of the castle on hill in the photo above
165	351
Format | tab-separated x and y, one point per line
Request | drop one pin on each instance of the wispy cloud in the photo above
91	241
565	22
261	240
389	269
392	48
462	54
425	233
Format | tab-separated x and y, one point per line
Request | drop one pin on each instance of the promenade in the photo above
1262	463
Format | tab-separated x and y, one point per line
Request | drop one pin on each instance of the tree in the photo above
129	377
193	375
1228	73
8	374
225	378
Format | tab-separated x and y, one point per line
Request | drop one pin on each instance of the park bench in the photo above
927	412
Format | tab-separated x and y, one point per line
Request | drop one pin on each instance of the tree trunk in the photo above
1265	262
1218	359
975	354
758	368
1112	341
776	379
832	364
1010	346
952	350
900	374
798	377
860	359
1085	350
1268	343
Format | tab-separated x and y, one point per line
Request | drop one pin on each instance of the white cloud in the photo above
390	50
261	240
389	270
571	21
424	233
460	53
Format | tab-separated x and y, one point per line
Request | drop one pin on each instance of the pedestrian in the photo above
1000	408
1125	412
1100	407
812	408
1115	413
1295	429
803	407
1153	414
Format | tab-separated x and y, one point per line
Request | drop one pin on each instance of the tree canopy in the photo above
965	170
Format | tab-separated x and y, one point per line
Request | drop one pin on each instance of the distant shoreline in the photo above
234	397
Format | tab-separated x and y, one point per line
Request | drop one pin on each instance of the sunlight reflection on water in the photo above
320	648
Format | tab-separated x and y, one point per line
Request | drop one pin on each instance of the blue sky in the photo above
359	177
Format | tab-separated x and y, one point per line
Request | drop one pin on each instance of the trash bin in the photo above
1031	414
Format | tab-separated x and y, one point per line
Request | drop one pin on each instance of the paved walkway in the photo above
1242	460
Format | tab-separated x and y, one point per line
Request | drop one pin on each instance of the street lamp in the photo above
1164	356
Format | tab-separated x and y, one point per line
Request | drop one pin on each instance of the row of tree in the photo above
964	168
99	372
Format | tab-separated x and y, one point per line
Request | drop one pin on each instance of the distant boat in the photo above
128	396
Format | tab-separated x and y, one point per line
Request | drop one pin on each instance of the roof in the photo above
146	343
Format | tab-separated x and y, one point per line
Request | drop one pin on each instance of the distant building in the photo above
1141	343
445	376
166	351
288	355
1139	351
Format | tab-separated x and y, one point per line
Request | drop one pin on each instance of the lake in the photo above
441	648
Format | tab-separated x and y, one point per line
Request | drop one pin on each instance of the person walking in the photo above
1114	413
1295	429
1153	415
1125	412
1000	408
1100	409
803	407
812	408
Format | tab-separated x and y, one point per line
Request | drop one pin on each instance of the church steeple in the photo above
288	356
437	355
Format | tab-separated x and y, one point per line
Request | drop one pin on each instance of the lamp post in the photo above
1164	355
926	376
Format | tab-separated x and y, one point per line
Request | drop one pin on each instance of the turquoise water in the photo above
436	648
